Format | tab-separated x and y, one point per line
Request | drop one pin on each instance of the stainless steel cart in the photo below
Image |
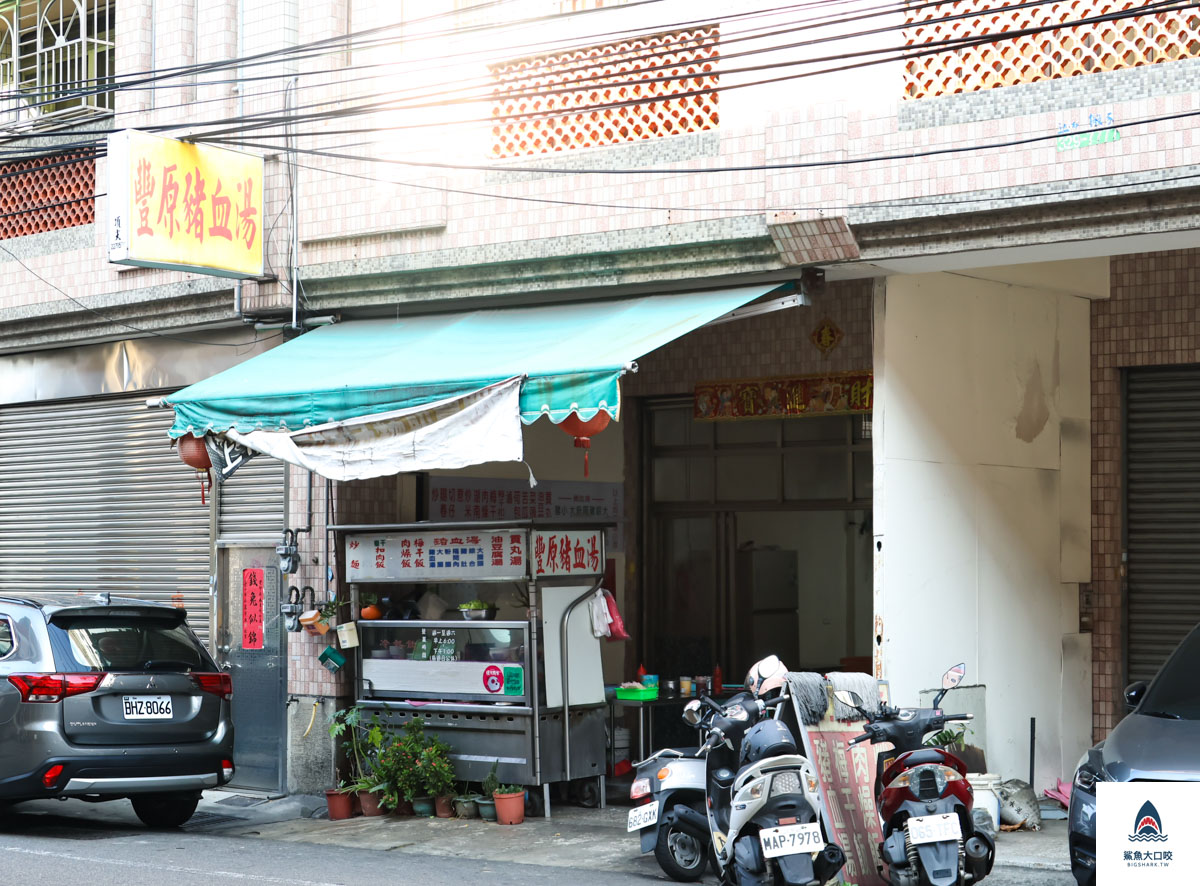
526	692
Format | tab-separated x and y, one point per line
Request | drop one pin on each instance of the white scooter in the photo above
665	779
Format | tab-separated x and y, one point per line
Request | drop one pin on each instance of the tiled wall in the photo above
1150	319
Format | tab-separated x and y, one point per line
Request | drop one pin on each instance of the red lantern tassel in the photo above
584	443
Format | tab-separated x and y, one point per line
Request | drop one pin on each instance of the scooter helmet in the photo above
766	676
768	738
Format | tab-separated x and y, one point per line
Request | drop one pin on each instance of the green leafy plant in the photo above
413	765
491	784
475	604
437	772
510	789
329	610
362	740
953	737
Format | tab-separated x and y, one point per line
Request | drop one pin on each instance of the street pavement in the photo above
280	842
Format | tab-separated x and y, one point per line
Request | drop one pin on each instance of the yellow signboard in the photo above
184	206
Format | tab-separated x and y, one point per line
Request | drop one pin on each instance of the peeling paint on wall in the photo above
1034	414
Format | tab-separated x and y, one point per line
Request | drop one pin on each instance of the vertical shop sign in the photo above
253	609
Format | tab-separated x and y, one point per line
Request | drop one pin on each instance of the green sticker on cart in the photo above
514	681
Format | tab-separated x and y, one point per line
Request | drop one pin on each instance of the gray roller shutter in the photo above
94	499
252	503
1162	512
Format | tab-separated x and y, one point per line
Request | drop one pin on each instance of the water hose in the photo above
312	719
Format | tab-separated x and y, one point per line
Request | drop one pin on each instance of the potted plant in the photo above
465	806
485	804
361	742
369	607
510	803
399	773
438	774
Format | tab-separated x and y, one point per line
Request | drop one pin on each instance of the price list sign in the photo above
436	556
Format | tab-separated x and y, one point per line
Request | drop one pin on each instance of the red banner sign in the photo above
843	394
252	608
847	777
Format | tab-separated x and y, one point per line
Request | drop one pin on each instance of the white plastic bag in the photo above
1019	804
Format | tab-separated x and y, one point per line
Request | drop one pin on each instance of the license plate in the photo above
790	839
146	707
643	816
934	828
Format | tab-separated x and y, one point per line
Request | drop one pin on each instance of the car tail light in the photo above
50	688
50	776
218	684
226	770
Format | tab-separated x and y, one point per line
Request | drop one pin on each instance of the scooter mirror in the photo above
848	698
691	712
954	676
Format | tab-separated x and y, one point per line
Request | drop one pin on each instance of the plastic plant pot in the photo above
444	806
510	808
341	804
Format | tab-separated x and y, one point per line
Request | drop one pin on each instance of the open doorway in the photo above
758	542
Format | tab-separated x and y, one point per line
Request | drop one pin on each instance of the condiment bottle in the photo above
717	687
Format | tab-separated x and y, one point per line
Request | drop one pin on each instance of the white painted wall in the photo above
982	441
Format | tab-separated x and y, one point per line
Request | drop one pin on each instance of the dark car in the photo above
1158	741
106	698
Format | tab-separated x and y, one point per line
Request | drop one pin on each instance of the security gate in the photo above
1162	513
94	499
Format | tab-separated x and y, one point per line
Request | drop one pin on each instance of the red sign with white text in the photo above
252	608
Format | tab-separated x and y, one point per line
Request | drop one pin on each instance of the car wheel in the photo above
164	810
681	856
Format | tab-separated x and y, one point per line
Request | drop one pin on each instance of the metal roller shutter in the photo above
93	499
252	502
1162	513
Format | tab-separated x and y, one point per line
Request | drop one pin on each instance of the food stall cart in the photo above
520	684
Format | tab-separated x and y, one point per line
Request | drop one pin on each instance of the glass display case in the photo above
455	660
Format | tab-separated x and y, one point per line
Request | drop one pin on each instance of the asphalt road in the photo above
104	845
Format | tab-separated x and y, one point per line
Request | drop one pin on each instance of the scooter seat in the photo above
925	755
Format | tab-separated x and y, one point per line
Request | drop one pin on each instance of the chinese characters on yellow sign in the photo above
184	206
842	394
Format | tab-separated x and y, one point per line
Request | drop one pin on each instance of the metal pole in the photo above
1032	743
566	691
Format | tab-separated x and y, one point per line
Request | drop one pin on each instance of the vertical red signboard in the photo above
252	608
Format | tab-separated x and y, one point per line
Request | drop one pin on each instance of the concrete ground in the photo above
574	837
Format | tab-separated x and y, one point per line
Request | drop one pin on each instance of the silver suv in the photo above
103	698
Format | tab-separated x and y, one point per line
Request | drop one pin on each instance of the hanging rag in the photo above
617	627
600	617
864	685
809	696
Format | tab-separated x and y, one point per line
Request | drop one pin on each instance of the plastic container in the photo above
984	784
637	694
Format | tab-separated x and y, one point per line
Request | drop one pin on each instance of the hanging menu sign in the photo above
462	555
567	552
252	608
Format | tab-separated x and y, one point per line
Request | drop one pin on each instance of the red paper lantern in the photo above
583	431
195	455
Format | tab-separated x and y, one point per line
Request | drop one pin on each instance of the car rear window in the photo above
126	644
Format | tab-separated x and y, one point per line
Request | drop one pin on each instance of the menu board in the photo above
461	555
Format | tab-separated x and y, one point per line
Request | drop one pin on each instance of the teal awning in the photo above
570	356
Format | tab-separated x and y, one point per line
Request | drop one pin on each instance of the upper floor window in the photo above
56	60
635	89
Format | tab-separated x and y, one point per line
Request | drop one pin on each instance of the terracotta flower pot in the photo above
369	803
510	808
403	807
341	805
444	806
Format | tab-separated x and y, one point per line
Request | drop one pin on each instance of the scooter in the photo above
763	798
670	777
923	796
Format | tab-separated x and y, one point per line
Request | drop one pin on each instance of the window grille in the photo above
1049	55
536	114
56	60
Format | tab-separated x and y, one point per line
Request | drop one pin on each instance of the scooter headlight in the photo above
785	783
640	788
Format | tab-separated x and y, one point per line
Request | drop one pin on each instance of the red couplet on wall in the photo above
252	608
